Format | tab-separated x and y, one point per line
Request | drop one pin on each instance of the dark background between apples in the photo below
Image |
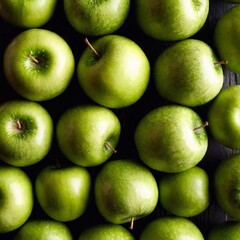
129	116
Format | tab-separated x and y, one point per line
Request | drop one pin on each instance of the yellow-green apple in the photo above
16	198
185	193
96	18
106	231
125	190
42	229
116	74
38	64
27	14
88	134
63	192
171	20
223	117
171	138
171	227
26	129
188	73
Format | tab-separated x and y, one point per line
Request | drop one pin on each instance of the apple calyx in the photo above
34	59
223	62
205	124
92	48
108	145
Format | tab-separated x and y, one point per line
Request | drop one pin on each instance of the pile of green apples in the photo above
109	115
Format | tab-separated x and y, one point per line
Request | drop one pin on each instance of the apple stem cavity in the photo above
35	60
92	48
200	127
223	62
108	145
132	223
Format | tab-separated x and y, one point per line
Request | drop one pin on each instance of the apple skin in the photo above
229	230
49	77
119	77
186	73
106	231
227	190
171	227
43	229
185	194
166	140
63	193
88	134
26	132
93	18
227	36
223	114
16	200
125	190
27	14
168	20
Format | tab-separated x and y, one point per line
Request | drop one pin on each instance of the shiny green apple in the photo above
125	190
63	192
118	75
95	18
88	134
171	138
16	198
171	20
42	229
188	73
27	14
26	132
38	64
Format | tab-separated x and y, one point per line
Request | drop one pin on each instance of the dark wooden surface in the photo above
129	117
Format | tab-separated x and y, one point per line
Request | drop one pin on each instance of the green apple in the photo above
171	227
106	231
118	75
16	198
125	190
188	73
171	138
229	230
95	18
223	116
38	64
227	187
27	14
88	134
227	38
43	229
63	192
26	132
171	20
185	193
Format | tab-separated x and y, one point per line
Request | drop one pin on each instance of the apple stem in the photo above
92	48
19	125
33	58
111	147
200	127
132	223
223	62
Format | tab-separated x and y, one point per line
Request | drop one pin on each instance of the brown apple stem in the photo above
200	127
111	147
33	58
132	223
92	48
19	125
223	62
